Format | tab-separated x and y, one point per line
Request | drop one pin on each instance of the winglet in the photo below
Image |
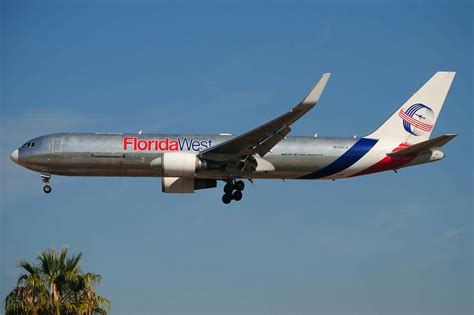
315	94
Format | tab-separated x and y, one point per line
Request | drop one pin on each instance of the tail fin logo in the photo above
417	119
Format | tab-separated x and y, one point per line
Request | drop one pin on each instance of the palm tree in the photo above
29	295
90	299
56	285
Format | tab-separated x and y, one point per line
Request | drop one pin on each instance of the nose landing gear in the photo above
45	179
233	191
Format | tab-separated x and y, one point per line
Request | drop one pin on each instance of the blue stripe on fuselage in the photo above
354	154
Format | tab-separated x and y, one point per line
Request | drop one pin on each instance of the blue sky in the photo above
381	244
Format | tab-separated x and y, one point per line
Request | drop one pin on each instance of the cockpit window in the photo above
32	144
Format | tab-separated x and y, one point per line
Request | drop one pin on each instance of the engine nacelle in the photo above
177	164
180	164
177	185
184	185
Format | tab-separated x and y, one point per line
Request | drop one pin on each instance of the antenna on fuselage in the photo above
140	132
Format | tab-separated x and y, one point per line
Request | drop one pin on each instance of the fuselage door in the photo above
56	146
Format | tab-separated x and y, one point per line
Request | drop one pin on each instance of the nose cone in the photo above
14	156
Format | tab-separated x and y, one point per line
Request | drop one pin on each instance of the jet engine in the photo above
178	164
178	170
184	185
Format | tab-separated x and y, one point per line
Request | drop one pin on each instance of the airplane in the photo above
187	162
420	116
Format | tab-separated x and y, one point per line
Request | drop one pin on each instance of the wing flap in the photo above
266	145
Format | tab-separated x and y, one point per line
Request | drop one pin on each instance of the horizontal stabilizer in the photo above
424	146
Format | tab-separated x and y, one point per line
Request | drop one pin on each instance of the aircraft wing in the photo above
263	138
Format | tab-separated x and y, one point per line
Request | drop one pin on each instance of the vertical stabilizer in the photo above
414	121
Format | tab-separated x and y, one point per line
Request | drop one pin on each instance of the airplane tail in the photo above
414	121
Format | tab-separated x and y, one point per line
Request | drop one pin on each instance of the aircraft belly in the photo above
301	163
96	164
104	172
139	165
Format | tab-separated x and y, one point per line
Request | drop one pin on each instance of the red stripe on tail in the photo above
418	124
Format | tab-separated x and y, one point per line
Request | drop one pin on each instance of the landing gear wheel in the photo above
226	198
47	189
228	188
237	195
239	185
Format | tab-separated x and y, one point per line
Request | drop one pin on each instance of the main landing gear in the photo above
45	179
233	191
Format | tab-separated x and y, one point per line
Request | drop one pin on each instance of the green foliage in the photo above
56	285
